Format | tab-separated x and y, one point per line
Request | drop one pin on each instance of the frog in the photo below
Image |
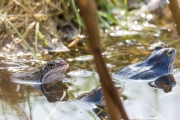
96	97
48	73
159	62
48	80
157	69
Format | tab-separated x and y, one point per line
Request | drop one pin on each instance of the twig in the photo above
173	5
114	106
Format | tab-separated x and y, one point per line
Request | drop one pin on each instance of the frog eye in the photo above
51	64
169	53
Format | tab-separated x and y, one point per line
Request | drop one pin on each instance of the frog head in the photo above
53	70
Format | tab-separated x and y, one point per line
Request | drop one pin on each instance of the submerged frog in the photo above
159	63
96	97
51	71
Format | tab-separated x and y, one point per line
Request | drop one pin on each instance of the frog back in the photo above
143	71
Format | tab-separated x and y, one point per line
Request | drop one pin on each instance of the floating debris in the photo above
77	40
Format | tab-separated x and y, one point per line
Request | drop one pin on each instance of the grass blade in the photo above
36	37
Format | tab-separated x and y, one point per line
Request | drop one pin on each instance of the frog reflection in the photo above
56	91
165	82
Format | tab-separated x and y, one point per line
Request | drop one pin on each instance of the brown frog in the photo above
44	80
51	71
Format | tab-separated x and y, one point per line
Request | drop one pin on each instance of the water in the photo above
24	101
147	102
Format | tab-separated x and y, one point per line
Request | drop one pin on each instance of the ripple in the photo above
120	33
80	73
84	58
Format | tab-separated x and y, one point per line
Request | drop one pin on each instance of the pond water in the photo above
24	101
